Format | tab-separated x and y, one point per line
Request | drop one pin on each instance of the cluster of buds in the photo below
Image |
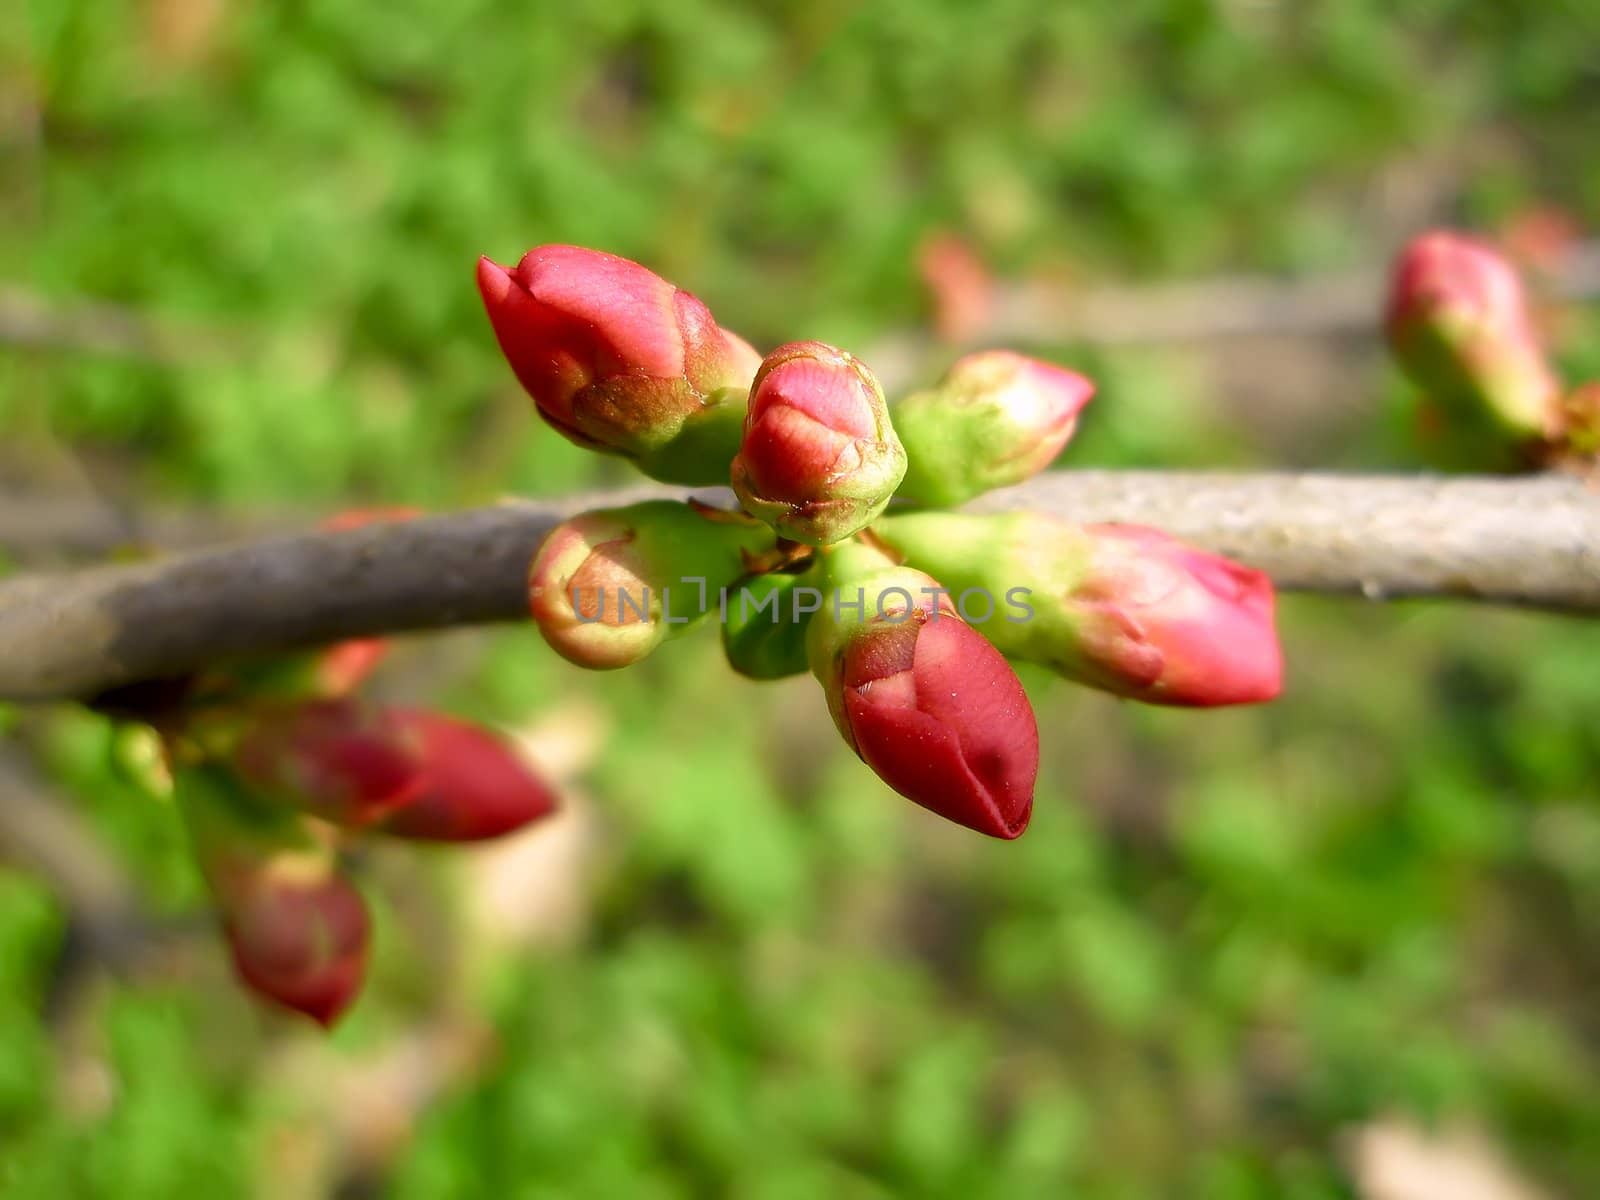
276	764
905	616
1459	324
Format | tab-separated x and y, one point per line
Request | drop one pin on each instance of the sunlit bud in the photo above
607	587
819	459
927	702
995	419
619	360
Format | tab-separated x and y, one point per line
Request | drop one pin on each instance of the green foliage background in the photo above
1228	940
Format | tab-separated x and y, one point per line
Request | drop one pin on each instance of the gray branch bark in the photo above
1532	541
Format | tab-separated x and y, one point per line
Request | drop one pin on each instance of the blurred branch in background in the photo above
91	326
1020	312
1528	541
1032	313
1228	306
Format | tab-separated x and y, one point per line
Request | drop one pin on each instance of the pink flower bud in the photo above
819	459
298	935
1121	608
616	358
1166	623
930	705
995	419
1458	323
337	759
474	787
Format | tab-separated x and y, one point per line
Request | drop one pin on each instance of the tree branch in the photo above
1531	541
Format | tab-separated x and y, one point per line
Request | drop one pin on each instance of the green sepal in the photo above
763	636
698	455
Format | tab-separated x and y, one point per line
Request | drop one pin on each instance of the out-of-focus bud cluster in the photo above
1460	326
906	618
275	763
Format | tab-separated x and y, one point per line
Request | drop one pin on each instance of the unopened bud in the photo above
819	459
927	702
341	760
995	419
474	785
621	361
1121	608
607	587
1458	324
297	929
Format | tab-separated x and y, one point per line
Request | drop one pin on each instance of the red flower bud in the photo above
413	774
297	928
618	359
819	459
1458	323
298	937
343	761
474	786
930	705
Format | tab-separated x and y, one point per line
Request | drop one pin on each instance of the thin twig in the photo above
1532	541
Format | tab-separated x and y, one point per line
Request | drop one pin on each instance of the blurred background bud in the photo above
1459	326
475	786
1580	419
341	760
297	928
